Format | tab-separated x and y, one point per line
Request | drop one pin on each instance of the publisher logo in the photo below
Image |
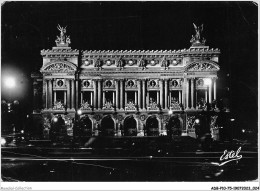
230	156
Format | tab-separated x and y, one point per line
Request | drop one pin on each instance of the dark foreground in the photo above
128	159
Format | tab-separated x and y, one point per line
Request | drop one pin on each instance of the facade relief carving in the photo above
202	66
59	67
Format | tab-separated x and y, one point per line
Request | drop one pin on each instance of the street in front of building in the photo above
131	159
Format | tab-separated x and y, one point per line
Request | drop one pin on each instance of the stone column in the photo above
91	98
170	99
210	92
214	88
135	97
121	94
125	98
73	94
139	93
166	94
65	98
55	97
50	94
95	94
81	97
148	98
113	95
99	94
103	98
184	93
192	93
44	94
187	94
117	94
206	96
68	94
161	92
158	97
144	95
77	94
180	101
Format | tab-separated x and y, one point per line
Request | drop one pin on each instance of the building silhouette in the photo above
127	93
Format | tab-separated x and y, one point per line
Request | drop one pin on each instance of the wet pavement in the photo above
128	159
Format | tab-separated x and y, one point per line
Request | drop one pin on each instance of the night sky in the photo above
28	27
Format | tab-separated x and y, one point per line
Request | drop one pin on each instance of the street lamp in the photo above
9	82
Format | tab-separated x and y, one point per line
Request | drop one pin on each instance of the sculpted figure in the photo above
196	39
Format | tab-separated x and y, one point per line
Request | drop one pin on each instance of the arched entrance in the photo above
58	127
130	126
107	126
85	125
152	126
174	126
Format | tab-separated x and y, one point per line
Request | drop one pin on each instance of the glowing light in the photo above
207	81
22	131
55	119
9	82
3	141
79	112
232	119
170	112
243	130
197	121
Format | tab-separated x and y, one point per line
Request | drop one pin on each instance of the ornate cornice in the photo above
57	52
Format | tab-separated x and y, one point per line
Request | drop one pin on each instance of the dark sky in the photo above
28	27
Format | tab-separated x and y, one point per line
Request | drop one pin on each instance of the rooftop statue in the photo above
197	40
62	40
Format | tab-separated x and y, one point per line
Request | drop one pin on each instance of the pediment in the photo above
202	65
59	66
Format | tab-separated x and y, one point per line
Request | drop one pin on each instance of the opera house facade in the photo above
126	93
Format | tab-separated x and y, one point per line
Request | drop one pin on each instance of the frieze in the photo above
150	52
58	67
202	66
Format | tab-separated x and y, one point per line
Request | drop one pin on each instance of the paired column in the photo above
125	98
95	94
99	94
73	94
117	94
50	93
192	93
77	94
166	94
187	94
139	93
104	99
158	98
121	94
68	94
180	100
210	92
184	93
55	96
214	88
143	88
44	93
161	92
91	98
